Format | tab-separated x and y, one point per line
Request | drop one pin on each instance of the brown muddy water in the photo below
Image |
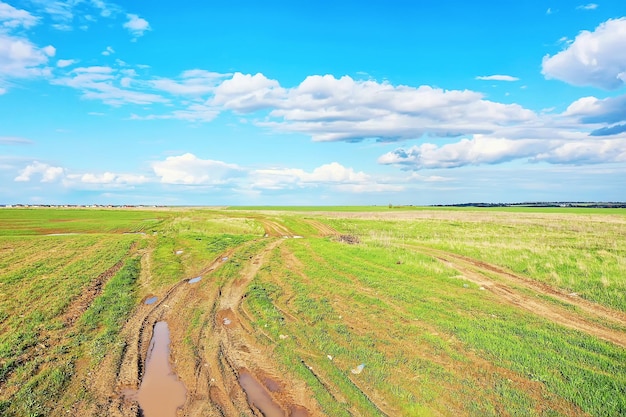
161	393
258	396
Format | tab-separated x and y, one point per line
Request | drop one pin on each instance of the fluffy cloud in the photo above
595	58
108	178
62	63
247	93
487	150
10	17
188	169
344	109
19	58
47	172
594	110
136	25
497	77
335	175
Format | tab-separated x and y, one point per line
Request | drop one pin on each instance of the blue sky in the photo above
281	103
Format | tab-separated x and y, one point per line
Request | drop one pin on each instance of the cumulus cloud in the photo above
595	58
476	151
47	173
108	178
20	58
594	110
188	169
332	175
136	25
596	151
482	150
247	93
344	109
497	77
11	18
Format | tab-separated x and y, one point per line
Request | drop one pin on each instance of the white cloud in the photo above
11	18
192	82
108	51
595	58
19	58
136	25
476	151
593	151
13	140
47	172
108	178
107	85
248	93
589	6
62	63
331	109
327	174
106	9
497	77
593	110
188	169
482	150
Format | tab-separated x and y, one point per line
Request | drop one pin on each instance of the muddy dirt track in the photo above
223	350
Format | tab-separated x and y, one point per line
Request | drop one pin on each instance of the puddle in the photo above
151	300
298	412
271	385
194	280
161	393
258	396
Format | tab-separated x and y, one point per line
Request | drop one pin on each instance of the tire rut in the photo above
478	272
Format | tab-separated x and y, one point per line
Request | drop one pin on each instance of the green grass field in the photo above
432	339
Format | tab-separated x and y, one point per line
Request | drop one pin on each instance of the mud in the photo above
161	393
258	396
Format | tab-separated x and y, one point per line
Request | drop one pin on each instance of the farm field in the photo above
316	311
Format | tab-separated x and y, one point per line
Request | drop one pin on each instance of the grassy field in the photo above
475	312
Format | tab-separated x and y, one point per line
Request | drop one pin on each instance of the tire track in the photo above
478	272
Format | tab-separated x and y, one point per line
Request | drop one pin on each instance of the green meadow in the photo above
410	297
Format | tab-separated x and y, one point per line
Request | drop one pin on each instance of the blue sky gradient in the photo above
343	102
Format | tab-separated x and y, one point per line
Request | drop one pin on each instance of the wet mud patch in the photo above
161	393
259	396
